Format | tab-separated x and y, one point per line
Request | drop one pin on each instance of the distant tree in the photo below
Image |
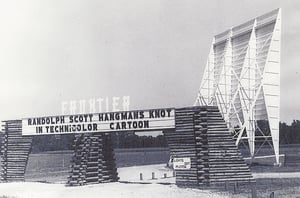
284	133
52	143
135	141
289	134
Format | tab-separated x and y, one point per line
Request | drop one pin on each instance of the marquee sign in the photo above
140	120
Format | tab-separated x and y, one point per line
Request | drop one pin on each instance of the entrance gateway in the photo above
198	135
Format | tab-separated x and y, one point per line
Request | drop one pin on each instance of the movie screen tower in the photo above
242	77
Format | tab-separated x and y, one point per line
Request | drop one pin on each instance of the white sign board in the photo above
182	163
140	120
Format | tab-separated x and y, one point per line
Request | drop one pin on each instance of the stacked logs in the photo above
202	135
181	142
226	163
109	171
201	139
15	151
93	161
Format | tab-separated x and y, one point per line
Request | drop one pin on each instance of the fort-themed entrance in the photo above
196	134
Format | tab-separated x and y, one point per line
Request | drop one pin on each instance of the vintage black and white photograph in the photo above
150	98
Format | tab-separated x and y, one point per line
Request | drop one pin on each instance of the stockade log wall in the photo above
15	150
202	135
93	161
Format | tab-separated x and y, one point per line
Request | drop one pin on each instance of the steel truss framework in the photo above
242	77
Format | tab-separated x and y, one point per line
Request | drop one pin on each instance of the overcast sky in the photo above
152	50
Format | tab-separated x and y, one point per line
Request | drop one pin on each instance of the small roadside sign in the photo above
182	163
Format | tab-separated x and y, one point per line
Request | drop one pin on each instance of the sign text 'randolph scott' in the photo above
100	122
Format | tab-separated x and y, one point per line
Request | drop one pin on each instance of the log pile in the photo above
93	161
201	139
15	150
181	142
202	135
226	163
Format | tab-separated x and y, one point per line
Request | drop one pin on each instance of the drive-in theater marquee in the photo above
100	122
197	138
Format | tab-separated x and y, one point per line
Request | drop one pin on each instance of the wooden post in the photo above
235	187
153	175
141	176
253	190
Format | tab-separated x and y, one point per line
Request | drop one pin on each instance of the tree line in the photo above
289	134
120	140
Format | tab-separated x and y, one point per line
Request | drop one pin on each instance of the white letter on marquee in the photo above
100	100
126	102
115	104
73	107
63	107
82	106
106	104
92	105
